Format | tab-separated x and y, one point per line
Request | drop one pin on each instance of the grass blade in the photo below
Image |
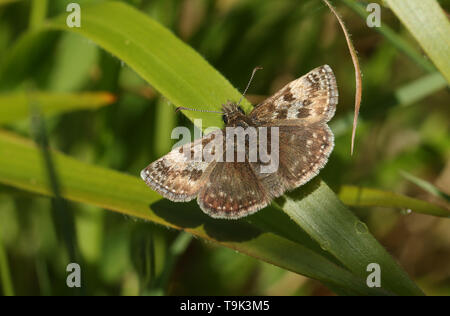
5	274
323	216
178	246
38	13
425	185
397	41
356	196
172	67
62	216
420	88
15	106
429	25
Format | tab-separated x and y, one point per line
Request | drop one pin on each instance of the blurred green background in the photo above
403	126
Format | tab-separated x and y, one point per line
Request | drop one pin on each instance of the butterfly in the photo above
231	190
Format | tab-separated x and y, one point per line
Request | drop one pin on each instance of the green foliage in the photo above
430	26
171	67
308	231
355	196
17	105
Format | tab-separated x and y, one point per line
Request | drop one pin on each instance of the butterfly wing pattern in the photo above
301	109
303	151
308	99
178	176
232	190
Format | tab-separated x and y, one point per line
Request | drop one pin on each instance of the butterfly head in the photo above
232	113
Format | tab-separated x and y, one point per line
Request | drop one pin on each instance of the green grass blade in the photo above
16	105
62	215
18	64
178	246
425	185
4	2
21	166
169	65
74	59
165	122
356	196
429	25
38	13
398	41
323	216
420	88
5	275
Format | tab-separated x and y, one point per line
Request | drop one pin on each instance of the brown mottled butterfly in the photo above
234	189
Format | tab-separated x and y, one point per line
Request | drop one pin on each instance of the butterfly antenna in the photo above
197	110
249	82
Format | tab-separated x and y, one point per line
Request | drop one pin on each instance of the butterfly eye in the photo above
241	110
225	119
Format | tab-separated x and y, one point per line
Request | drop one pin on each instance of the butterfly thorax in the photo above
235	116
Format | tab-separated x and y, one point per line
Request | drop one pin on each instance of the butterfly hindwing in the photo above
232	190
303	151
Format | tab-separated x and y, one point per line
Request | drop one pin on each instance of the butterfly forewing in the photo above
178	176
311	98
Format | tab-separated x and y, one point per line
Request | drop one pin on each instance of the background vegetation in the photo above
102	98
